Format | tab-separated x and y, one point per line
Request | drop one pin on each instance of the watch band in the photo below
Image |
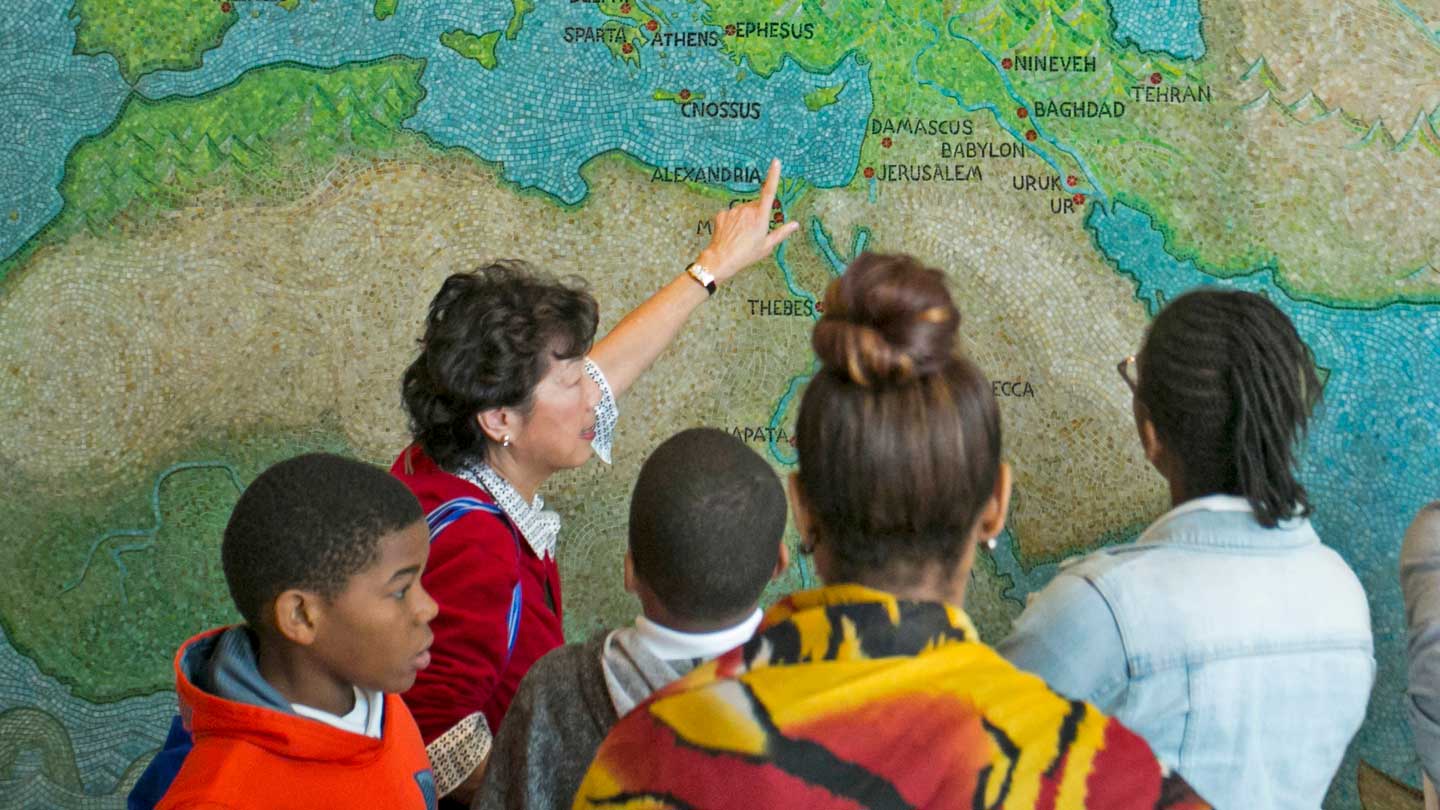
702	276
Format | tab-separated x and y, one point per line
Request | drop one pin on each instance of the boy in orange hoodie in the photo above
298	707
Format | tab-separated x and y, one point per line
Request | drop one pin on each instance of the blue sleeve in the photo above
1068	636
161	771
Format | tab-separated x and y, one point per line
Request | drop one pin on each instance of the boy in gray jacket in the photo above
707	519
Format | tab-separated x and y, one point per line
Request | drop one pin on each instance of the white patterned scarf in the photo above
541	526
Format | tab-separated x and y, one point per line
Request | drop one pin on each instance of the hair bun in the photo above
888	319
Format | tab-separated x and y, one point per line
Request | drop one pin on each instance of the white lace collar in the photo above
540	526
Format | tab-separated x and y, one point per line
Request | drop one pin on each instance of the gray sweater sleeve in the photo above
1420	582
550	733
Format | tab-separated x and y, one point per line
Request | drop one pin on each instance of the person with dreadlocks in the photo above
1227	635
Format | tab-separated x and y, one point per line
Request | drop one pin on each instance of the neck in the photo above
926	590
299	680
523	477
928	583
698	627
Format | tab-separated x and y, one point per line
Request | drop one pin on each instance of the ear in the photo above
782	562
997	506
1149	437
629	573
297	615
497	423
799	507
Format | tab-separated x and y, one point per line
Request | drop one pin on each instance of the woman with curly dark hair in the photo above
506	391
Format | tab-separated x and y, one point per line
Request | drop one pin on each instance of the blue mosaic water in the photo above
1160	26
50	98
550	107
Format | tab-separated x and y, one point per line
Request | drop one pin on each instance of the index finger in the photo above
772	183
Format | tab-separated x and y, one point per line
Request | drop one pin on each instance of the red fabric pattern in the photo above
471	574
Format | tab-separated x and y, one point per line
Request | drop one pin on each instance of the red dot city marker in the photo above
684	95
1154	78
1078	199
624	8
1031	135
775	205
886	142
225	8
1022	113
779	217
869	172
1006	63
651	25
627	48
729	30
1072	180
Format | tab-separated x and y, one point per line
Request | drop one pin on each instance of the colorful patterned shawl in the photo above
848	698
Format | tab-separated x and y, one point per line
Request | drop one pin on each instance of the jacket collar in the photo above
539	526
1225	521
250	710
853	622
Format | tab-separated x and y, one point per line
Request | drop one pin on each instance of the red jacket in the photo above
475	564
250	756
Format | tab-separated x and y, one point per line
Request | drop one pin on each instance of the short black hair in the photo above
309	522
706	519
490	336
1230	388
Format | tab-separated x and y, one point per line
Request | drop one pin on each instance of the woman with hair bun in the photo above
506	391
874	690
1227	636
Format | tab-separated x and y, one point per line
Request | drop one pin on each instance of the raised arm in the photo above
742	237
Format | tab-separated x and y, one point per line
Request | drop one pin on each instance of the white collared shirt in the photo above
673	645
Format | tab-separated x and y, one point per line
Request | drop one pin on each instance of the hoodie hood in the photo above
221	693
227	665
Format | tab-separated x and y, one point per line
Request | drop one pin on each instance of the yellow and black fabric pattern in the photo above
848	698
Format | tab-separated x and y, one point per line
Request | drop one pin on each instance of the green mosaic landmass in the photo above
479	47
384	9
517	17
630	37
111	634
677	96
822	97
930	60
277	128
149	35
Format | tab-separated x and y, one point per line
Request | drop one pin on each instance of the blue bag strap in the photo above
452	510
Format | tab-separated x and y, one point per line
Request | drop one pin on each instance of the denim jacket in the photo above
1242	654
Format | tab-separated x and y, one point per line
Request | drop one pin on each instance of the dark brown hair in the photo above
490	336
1230	387
898	434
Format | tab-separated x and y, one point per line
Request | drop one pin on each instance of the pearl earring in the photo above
990	544
505	442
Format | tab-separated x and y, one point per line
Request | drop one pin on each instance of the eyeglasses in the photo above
1127	367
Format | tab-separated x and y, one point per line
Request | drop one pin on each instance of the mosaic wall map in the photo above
221	222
